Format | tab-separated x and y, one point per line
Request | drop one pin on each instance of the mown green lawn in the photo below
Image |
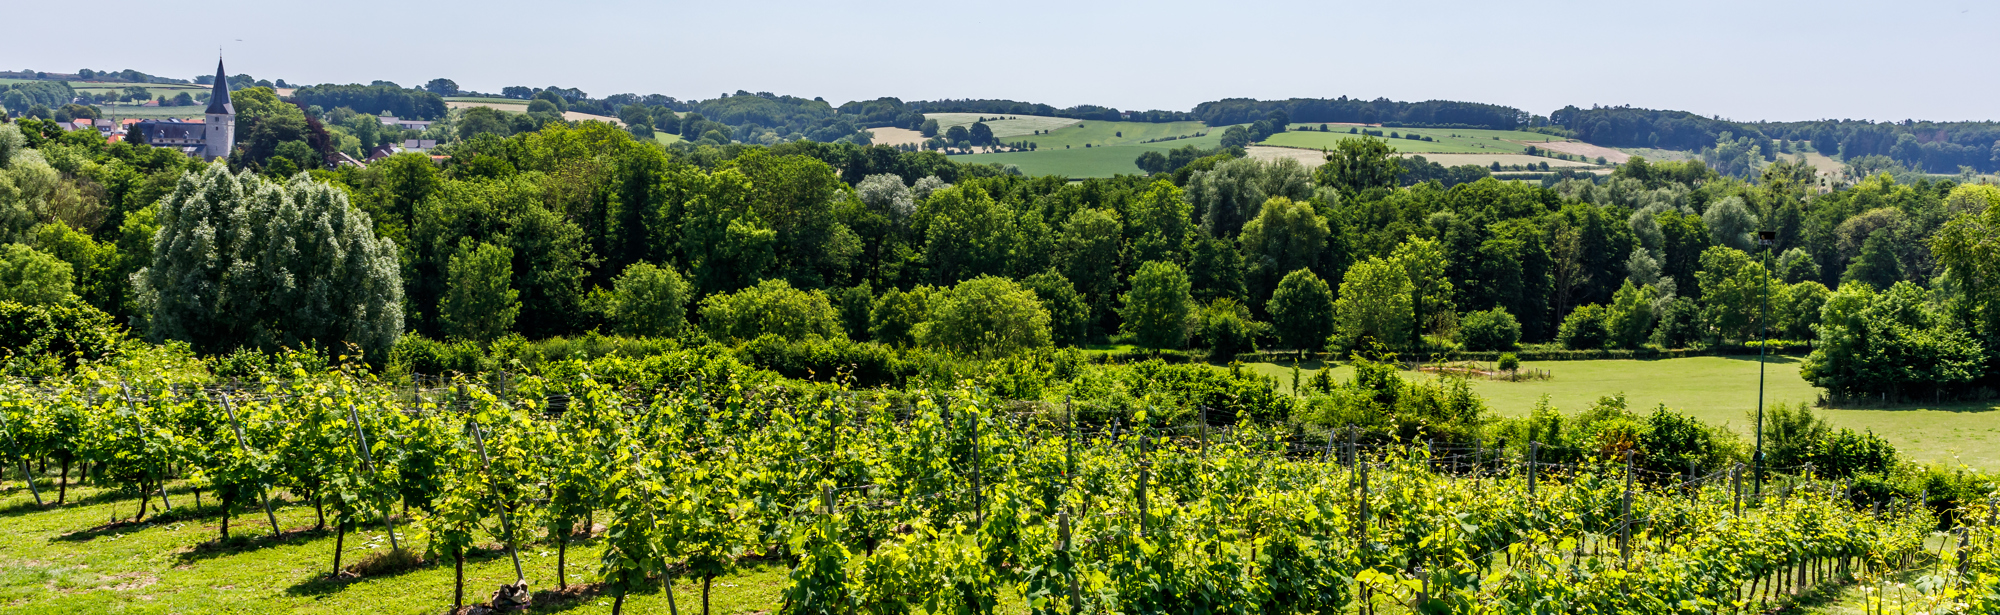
1723	390
64	560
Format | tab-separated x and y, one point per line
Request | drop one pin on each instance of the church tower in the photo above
221	128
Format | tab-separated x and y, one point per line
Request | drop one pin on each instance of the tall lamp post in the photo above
1765	240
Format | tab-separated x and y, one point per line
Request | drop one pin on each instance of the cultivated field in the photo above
1443	140
503	104
510	105
126	111
1588	151
895	136
1723	390
1113	134
1010	126
1314	158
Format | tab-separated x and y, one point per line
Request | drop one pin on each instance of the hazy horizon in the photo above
1773	61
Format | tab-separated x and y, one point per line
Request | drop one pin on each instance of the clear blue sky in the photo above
1741	59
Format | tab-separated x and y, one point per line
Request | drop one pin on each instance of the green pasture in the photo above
1007	128
125	111
170	89
1103	134
666	139
1723	391
1443	140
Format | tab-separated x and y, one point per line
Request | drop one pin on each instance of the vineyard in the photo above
954	500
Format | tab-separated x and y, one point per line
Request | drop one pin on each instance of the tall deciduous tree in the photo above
1431	290
1088	254
33	277
239	260
1157	308
1302	311
650	300
1285	236
1358	164
1069	315
986	317
1733	287
772	307
1374	306
480	302
1876	266
1158	224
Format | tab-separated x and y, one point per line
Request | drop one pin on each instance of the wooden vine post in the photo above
134	406
1534	450
1145	474
1625	515
263	489
1736	490
368	463
506	520
1069	485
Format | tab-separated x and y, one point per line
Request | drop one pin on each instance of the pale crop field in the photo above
1005	127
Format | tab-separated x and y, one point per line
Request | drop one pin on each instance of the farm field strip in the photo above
1723	391
1016	126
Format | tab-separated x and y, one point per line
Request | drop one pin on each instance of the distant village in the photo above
211	133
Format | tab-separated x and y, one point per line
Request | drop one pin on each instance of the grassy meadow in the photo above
1723	391
1114	134
1444	140
69	560
1009	127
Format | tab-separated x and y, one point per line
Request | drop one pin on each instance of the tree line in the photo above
573	228
1433	113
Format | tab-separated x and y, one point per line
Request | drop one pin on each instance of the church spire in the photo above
218	101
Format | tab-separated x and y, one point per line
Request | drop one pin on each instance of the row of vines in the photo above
953	501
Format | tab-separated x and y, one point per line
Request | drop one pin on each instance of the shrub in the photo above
1508	362
985	317
1227	329
868	363
770	307
1584	329
1493	329
416	354
649	300
68	333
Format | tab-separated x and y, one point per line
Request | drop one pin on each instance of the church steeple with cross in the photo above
221	120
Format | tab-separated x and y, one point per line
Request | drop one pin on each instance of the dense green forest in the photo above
564	229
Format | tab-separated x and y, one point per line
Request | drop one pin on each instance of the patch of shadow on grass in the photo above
243	542
49	499
27	506
116	527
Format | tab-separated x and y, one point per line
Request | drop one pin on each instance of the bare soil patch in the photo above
1586	150
896	136
1452	160
1309	157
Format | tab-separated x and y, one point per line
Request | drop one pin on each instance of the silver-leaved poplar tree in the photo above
240	260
